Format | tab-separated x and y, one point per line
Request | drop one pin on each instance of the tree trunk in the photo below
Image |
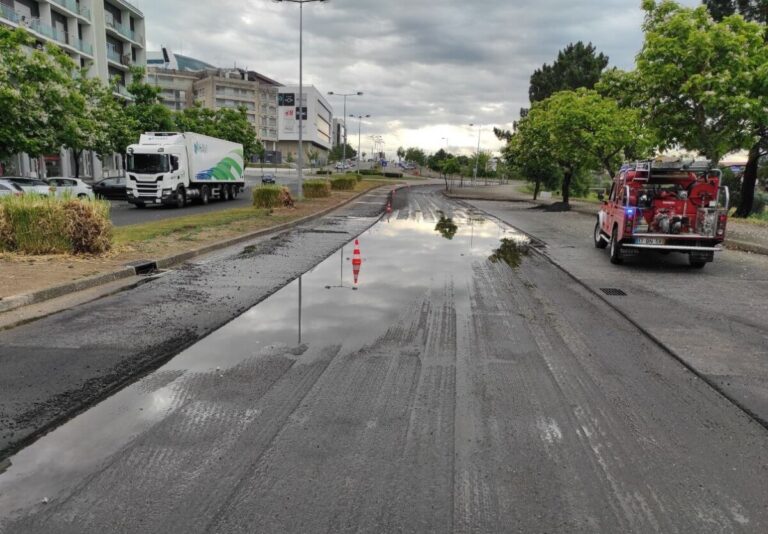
567	186
77	154
748	183
536	188
446	181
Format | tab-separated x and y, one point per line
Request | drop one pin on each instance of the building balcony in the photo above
74	7
113	55
8	13
123	30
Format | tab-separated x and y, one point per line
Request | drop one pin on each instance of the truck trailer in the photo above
175	168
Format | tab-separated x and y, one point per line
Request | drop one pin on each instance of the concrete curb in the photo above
17	301
730	244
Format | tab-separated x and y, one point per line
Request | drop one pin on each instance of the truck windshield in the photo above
148	163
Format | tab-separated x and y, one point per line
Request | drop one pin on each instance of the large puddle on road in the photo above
337	302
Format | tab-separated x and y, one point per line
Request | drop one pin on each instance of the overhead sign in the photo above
286	99
303	113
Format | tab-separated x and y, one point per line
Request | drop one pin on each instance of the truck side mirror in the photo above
174	163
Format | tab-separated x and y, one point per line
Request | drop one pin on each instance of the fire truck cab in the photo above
666	206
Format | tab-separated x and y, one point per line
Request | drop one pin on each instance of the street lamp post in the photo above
477	155
301	87
344	147
359	127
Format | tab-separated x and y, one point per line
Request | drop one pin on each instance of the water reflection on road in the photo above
404	256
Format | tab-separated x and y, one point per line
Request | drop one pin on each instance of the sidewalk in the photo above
741	235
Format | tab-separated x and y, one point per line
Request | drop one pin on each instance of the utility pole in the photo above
359	140
345	95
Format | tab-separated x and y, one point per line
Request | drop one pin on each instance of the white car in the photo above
31	185
8	188
73	187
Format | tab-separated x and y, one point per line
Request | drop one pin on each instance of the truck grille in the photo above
147	189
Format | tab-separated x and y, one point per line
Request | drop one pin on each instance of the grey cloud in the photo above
421	63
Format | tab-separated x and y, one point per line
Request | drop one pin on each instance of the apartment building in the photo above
106	37
317	131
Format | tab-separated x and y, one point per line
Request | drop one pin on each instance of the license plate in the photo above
649	241
157	201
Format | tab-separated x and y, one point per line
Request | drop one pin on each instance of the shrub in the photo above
393	174
47	225
286	200
344	183
322	172
88	226
759	204
317	188
369	172
267	196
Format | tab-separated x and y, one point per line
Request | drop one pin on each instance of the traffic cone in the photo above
389	207
357	261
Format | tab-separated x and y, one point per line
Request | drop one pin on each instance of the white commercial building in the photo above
318	123
106	37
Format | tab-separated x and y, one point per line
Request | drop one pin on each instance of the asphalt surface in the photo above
714	319
467	385
53	367
124	214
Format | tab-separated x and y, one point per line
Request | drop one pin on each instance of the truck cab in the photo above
665	206
157	173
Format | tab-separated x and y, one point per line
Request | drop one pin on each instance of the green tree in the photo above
147	112
36	91
233	125
416	155
581	130
84	125
197	119
337	153
578	65
705	84
450	166
435	161
754	10
400	153
528	152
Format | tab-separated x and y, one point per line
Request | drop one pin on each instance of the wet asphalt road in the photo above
465	386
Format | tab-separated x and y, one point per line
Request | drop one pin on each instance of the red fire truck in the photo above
667	207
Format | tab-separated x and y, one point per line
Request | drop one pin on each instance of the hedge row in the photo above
272	196
33	224
344	183
321	172
317	188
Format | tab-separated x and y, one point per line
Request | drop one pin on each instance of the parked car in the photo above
111	188
71	186
30	185
8	188
268	179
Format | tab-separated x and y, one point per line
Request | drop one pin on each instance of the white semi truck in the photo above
176	168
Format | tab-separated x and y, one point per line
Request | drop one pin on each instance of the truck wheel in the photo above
696	263
615	247
205	195
599	241
235	192
228	193
181	198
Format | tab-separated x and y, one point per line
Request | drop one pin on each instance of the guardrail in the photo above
74	7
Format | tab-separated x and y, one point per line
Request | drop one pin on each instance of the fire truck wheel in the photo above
599	241
696	263
615	247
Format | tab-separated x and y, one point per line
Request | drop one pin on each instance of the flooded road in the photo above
450	380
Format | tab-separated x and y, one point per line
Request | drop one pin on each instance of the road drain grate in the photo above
143	267
613	291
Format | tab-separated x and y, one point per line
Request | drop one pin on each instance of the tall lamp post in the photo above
477	155
359	127
301	87
344	147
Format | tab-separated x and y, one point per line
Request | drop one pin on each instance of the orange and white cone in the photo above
357	260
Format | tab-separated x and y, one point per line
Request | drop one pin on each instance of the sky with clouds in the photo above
428	68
